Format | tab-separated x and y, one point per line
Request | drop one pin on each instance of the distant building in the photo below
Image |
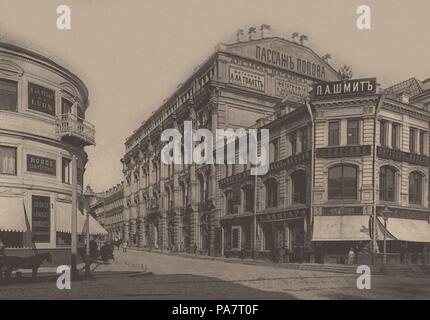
108	209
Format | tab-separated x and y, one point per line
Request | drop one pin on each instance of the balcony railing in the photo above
72	128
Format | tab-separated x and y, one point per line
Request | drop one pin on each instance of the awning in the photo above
64	221
341	228
12	216
408	229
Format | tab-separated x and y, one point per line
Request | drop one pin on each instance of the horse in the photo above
34	262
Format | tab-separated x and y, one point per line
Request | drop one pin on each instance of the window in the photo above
412	140
383	132
249	198
293	143
387	183
422	142
274	150
395	136
342	182
271	193
304	139
229	207
298	179
352	132
66	170
7	160
333	133
415	188
8	95
66	106
235	238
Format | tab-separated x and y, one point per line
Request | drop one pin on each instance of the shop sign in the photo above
343	88
278	216
348	151
291	90
41	219
342	211
41	99
41	165
247	79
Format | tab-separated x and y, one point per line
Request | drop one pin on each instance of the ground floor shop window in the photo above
12	239
64	239
236	238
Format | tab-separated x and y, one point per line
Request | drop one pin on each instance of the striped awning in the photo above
12	215
64	221
341	228
408	229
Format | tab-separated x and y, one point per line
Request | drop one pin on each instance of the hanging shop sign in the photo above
41	219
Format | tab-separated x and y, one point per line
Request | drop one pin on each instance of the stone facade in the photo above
179	207
42	127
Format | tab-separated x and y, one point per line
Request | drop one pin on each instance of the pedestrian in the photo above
2	248
124	246
195	249
351	255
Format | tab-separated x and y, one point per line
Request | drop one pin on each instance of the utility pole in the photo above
254	220
74	217
87	248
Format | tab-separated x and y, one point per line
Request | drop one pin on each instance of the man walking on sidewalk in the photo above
124	246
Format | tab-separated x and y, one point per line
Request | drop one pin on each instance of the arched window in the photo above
342	182
298	183
271	193
415	188
387	184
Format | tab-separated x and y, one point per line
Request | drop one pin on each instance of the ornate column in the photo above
142	216
126	233
194	201
133	220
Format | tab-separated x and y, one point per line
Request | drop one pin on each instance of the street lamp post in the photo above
86	195
74	218
254	221
385	214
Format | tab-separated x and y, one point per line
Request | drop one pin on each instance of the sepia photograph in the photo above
215	155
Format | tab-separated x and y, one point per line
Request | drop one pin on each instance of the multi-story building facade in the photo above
348	167
372	156
337	163
108	209
180	207
42	126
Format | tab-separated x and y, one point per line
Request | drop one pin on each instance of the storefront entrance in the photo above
284	240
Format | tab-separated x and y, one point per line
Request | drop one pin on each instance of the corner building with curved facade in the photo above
42	126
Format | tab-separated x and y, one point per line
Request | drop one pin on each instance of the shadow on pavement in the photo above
136	286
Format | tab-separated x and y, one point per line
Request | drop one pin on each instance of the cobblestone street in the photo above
144	275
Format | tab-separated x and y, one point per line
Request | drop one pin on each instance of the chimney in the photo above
404	97
265	31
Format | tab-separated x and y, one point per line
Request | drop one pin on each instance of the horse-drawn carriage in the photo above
8	264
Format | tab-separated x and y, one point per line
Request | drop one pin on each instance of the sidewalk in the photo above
404	270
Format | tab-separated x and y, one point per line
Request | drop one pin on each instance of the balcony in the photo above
75	130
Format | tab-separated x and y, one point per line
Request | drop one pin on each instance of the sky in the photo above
132	54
